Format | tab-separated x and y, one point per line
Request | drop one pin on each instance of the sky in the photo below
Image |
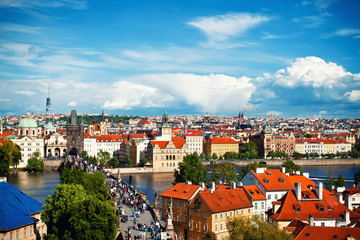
298	58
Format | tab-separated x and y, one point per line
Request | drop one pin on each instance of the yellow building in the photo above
198	209
220	146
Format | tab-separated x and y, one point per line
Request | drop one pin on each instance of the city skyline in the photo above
295	59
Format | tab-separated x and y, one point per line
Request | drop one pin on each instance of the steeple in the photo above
73	117
102	116
165	120
48	102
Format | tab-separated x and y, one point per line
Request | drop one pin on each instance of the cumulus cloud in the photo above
26	93
353	96
72	104
4	100
311	71
224	27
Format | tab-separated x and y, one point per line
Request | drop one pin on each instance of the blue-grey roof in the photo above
16	207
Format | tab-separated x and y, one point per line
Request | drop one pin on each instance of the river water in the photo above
39	186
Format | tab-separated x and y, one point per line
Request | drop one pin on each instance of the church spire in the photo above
165	119
102	116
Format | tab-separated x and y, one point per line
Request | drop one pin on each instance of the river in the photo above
39	186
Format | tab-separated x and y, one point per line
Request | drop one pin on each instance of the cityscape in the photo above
179	119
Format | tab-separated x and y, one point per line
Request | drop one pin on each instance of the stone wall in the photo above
52	165
302	162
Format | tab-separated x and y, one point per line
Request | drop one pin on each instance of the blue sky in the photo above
294	58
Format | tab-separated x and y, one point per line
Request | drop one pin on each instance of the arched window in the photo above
216	226
221	226
173	157
167	157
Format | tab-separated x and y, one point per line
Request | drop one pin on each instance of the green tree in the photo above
84	154
297	155
340	181
71	213
357	177
225	173
210	236
307	135
214	156
208	156
249	150
142	162
35	163
290	166
9	155
104	157
128	161
254	165
271	154
114	162
241	228
202	156
190	169
330	181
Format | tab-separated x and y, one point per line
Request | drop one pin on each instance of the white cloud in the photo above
311	71
323	112
353	96
347	32
35	4
310	21
11	27
4	100
72	104
224	27
26	93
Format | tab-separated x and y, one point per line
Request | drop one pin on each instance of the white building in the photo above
28	146
195	143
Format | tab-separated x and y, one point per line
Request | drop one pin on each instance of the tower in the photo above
103	128
165	129
48	103
75	135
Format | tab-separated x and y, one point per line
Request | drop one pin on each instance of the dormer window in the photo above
297	208
268	173
320	207
282	180
266	180
306	195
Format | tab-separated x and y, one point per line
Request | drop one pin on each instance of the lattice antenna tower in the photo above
48	102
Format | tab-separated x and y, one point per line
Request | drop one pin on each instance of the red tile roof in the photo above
143	122
226	200
332	208
161	144
274	180
254	192
306	183
221	140
314	232
181	191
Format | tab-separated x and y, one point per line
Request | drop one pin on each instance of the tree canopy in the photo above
79	209
290	166
104	157
241	228
191	169
9	155
225	173
35	163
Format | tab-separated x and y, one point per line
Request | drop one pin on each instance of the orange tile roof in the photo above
226	200
161	144
315	232
332	208
221	140
181	191
143	122
274	180
254	192
306	183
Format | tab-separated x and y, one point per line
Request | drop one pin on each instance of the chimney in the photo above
306	174
347	217
298	191
311	220
319	190
341	198
188	182
283	170
260	170
297	172
240	184
212	187
202	185
348	201
233	185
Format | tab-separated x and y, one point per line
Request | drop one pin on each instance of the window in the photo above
322	224
178	231
230	214
269	197
190	213
226	214
221	215
221	226
262	205
179	204
215	216
205	226
25	231
17	234
30	232
276	196
11	237
205	215
190	223
249	210
185	205
216	226
185	218
237	212
178	217
256	206
242	211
